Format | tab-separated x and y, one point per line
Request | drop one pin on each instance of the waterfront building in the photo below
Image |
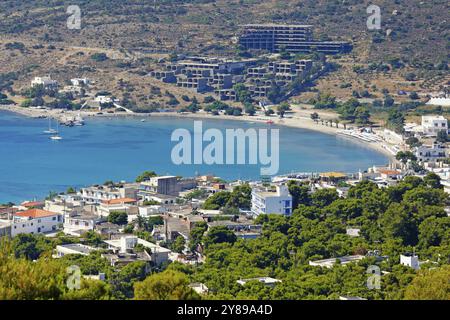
267	202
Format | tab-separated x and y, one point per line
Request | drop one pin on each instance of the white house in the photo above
433	124
267	202
127	205
431	153
97	194
35	221
329	263
46	82
103	99
77	224
268	281
5	228
73	248
410	260
126	244
80	82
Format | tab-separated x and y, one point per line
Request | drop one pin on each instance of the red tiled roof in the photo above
32	204
388	172
35	213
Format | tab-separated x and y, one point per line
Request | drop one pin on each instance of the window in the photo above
54	218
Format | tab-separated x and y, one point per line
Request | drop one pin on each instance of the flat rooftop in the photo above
77	247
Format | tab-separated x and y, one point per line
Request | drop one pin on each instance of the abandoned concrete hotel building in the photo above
216	75
293	38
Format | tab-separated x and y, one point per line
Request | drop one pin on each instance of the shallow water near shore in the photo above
120	148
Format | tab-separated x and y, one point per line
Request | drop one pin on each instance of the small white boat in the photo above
50	130
56	136
142	120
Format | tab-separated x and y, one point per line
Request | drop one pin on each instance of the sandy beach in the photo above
295	119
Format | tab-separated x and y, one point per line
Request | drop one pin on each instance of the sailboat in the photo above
56	136
50	130
78	120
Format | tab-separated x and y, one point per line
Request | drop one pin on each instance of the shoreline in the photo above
294	121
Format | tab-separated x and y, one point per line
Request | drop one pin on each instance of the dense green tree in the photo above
241	197
178	245
324	197
300	194
167	285
430	285
396	120
30	246
118	217
146	175
433	231
122	281
217	200
397	222
196	235
219	234
404	156
433	180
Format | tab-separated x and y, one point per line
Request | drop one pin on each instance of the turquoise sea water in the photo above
117	149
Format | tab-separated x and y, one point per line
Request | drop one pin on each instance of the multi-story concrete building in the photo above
431	153
76	224
97	194
167	185
431	125
197	83
290	37
268	202
164	76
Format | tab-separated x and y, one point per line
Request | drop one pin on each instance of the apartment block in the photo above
268	202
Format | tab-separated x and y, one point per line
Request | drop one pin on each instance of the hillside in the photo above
134	34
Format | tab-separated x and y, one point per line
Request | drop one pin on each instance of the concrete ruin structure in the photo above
293	38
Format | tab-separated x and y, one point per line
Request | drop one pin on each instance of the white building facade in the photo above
268	202
433	124
35	221
431	153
